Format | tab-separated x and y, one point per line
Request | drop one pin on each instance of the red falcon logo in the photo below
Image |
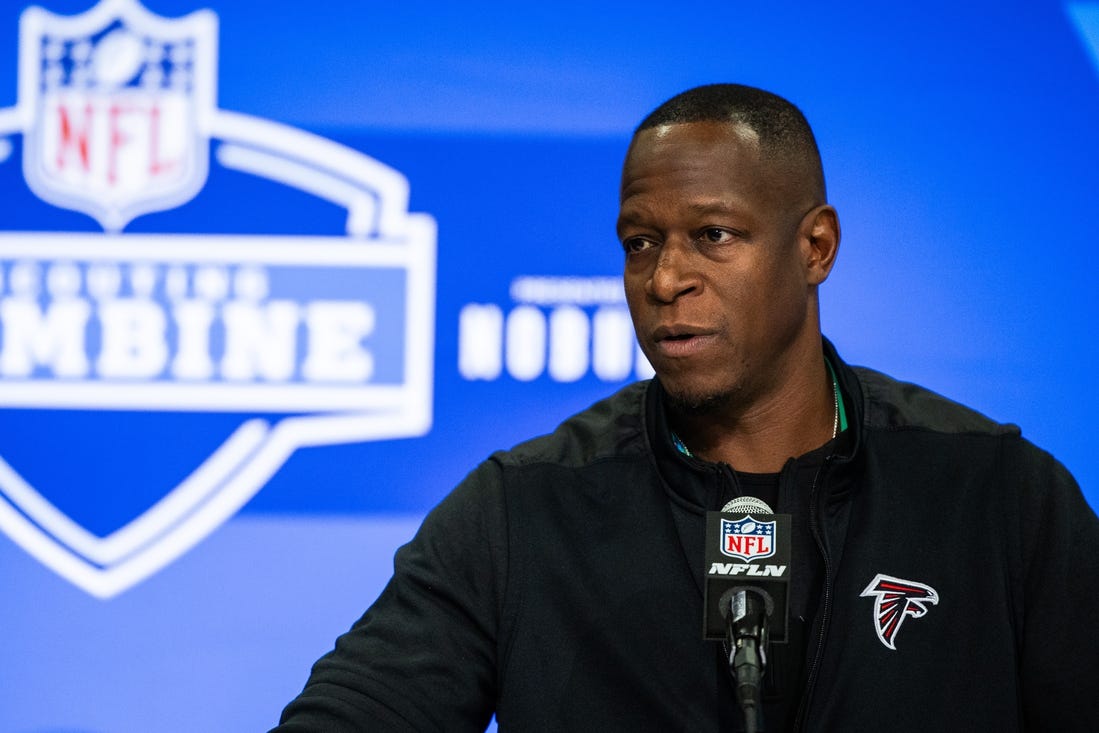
894	601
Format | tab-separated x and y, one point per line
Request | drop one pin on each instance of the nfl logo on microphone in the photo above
179	368
747	539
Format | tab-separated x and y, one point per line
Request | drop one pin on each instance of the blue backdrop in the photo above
272	281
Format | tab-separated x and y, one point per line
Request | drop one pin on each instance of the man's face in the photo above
715	272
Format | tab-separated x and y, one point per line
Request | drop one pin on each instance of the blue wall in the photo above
960	144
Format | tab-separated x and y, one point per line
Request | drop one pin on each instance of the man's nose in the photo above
676	272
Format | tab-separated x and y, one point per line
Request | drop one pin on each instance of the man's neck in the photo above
794	419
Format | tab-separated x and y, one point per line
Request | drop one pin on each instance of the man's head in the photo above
786	141
727	235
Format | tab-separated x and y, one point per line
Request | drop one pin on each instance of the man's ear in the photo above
820	236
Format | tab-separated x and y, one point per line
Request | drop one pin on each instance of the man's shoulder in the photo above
613	427
892	404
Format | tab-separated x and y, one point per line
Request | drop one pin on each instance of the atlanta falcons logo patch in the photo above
894	601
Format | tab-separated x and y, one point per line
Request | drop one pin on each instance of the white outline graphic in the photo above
381	233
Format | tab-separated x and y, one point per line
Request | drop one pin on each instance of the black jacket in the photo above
560	585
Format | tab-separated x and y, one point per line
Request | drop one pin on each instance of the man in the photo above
945	571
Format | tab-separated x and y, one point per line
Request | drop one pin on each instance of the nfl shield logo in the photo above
747	539
121	100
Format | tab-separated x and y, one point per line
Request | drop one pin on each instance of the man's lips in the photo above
678	341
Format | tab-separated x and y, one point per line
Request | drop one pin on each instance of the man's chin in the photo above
695	402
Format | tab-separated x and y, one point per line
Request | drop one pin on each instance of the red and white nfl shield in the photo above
747	539
121	100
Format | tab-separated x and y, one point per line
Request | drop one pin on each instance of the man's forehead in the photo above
718	153
730	132
665	149
737	129
682	141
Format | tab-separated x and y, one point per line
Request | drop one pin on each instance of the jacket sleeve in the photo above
1059	561
423	657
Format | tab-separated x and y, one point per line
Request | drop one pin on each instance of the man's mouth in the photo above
674	333
680	340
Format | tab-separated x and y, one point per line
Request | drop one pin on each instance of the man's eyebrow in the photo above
628	218
638	216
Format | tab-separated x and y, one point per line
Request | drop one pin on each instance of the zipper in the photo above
726	476
814	528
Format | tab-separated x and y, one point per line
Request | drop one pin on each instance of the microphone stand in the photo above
746	610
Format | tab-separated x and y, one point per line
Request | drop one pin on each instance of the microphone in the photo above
747	544
741	598
746	610
746	505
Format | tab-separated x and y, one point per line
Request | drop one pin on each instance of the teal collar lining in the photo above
839	397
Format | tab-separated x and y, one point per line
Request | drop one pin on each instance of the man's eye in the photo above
714	235
633	245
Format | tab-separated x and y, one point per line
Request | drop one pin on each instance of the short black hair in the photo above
783	131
